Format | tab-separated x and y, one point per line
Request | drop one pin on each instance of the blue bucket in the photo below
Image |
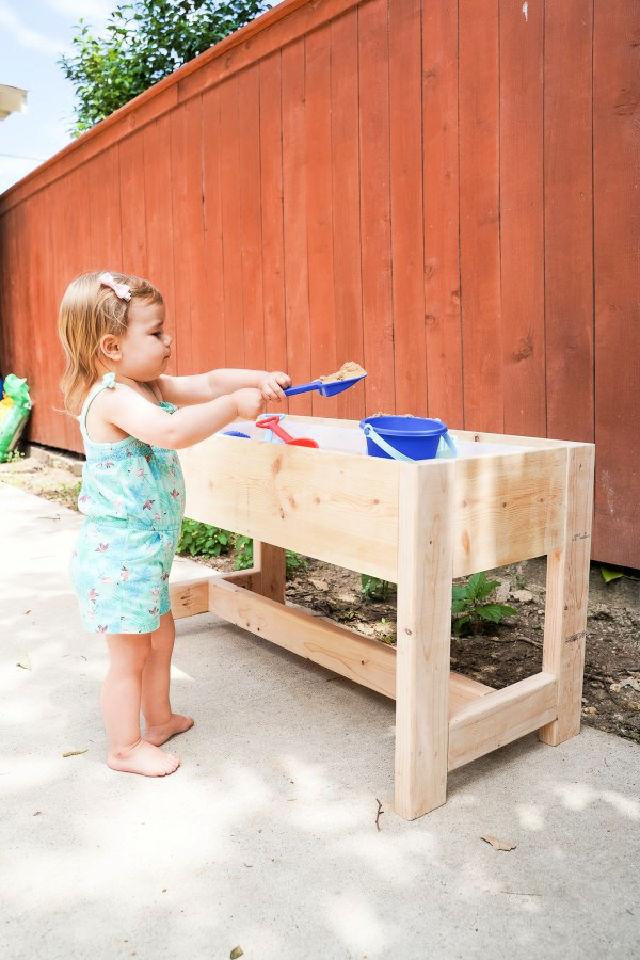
403	438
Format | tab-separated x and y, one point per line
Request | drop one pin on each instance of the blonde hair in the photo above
89	311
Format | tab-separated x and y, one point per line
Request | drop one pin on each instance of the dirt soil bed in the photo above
498	656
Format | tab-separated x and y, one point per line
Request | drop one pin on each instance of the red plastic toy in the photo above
273	423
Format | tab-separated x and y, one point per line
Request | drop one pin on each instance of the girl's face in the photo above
146	348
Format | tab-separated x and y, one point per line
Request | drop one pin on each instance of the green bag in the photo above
15	408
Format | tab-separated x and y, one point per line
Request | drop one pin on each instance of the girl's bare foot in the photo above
145	758
160	732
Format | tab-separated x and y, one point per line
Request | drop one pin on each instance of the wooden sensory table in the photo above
419	525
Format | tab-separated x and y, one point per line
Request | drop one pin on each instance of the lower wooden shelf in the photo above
481	719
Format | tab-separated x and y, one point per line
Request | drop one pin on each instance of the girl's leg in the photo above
162	723
121	693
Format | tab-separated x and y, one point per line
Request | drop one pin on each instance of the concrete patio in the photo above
265	838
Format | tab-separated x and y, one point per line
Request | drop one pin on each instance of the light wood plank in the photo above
367	662
480	436
271	571
361	659
189	597
424	629
507	507
247	579
500	717
337	507
567	597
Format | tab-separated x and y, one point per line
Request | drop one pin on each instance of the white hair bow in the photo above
121	290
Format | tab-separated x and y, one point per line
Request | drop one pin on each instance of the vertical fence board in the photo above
232	254
521	217
250	216
271	212
295	222
5	311
347	265
11	276
192	310
319	199
103	195
81	255
159	224
405	165
377	285
617	276
132	204
568	205
32	238
41	374
441	202
479	215
212	350
52	291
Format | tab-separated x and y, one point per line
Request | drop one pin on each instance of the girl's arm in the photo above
218	383
140	418
269	384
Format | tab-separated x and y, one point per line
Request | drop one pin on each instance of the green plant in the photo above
69	491
244	552
144	41
469	606
201	540
375	589
11	456
295	562
615	573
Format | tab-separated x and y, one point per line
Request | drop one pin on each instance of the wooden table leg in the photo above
270	565
424	632
567	595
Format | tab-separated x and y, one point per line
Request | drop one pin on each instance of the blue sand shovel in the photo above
325	389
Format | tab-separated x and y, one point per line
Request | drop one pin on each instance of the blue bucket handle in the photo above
450	442
373	435
380	442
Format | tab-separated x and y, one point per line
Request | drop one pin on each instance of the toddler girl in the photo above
133	417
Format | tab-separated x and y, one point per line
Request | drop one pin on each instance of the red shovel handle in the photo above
273	423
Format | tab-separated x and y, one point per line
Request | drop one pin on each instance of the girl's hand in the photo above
271	386
248	401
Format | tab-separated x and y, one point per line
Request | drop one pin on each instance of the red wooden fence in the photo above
443	190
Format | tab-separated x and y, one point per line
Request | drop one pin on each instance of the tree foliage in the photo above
143	42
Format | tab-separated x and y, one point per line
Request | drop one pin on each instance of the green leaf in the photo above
374	588
608	575
479	587
459	592
495	612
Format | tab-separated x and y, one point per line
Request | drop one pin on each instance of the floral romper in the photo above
133	498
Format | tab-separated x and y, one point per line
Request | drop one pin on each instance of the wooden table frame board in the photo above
419	525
